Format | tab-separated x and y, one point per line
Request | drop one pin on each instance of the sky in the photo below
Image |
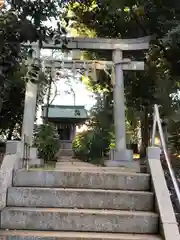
83	96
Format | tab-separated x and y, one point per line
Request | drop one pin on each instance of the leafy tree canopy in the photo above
22	21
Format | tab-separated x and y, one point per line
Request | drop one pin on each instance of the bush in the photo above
47	142
91	146
81	145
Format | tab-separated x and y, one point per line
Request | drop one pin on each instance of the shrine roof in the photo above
60	112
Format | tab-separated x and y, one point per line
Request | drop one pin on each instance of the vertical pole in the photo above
30	107
119	103
154	129
48	97
49	92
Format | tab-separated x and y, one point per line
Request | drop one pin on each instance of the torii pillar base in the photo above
124	159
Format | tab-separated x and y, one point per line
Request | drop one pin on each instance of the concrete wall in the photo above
11	147
9	164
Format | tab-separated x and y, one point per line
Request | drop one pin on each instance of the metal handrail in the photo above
26	153
157	121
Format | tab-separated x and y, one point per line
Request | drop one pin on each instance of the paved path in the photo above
77	165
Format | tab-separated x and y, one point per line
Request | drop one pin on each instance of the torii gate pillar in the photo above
121	156
29	110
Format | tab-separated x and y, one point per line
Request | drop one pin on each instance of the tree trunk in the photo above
144	133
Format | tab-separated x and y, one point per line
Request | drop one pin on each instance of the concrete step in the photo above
84	220
89	167
80	198
65	153
32	235
82	179
70	163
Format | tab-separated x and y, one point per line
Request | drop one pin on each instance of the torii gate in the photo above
121	155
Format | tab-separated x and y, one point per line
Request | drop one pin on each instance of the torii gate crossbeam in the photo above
97	44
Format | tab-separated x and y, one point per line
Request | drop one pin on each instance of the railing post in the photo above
154	129
153	152
26	152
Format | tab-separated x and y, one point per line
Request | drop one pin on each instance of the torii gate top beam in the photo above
98	43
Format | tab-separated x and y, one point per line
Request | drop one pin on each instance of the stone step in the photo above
32	235
80	198
90	167
65	152
69	163
84	220
75	178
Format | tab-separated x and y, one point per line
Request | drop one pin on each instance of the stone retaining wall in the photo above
9	164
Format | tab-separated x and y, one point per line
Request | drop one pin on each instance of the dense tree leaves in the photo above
25	21
13	103
94	144
46	140
33	15
20	22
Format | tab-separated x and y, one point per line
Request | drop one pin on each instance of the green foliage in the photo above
22	21
93	145
174	136
82	145
10	53
32	16
13	102
47	141
113	141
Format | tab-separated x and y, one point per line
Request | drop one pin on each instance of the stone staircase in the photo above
74	204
